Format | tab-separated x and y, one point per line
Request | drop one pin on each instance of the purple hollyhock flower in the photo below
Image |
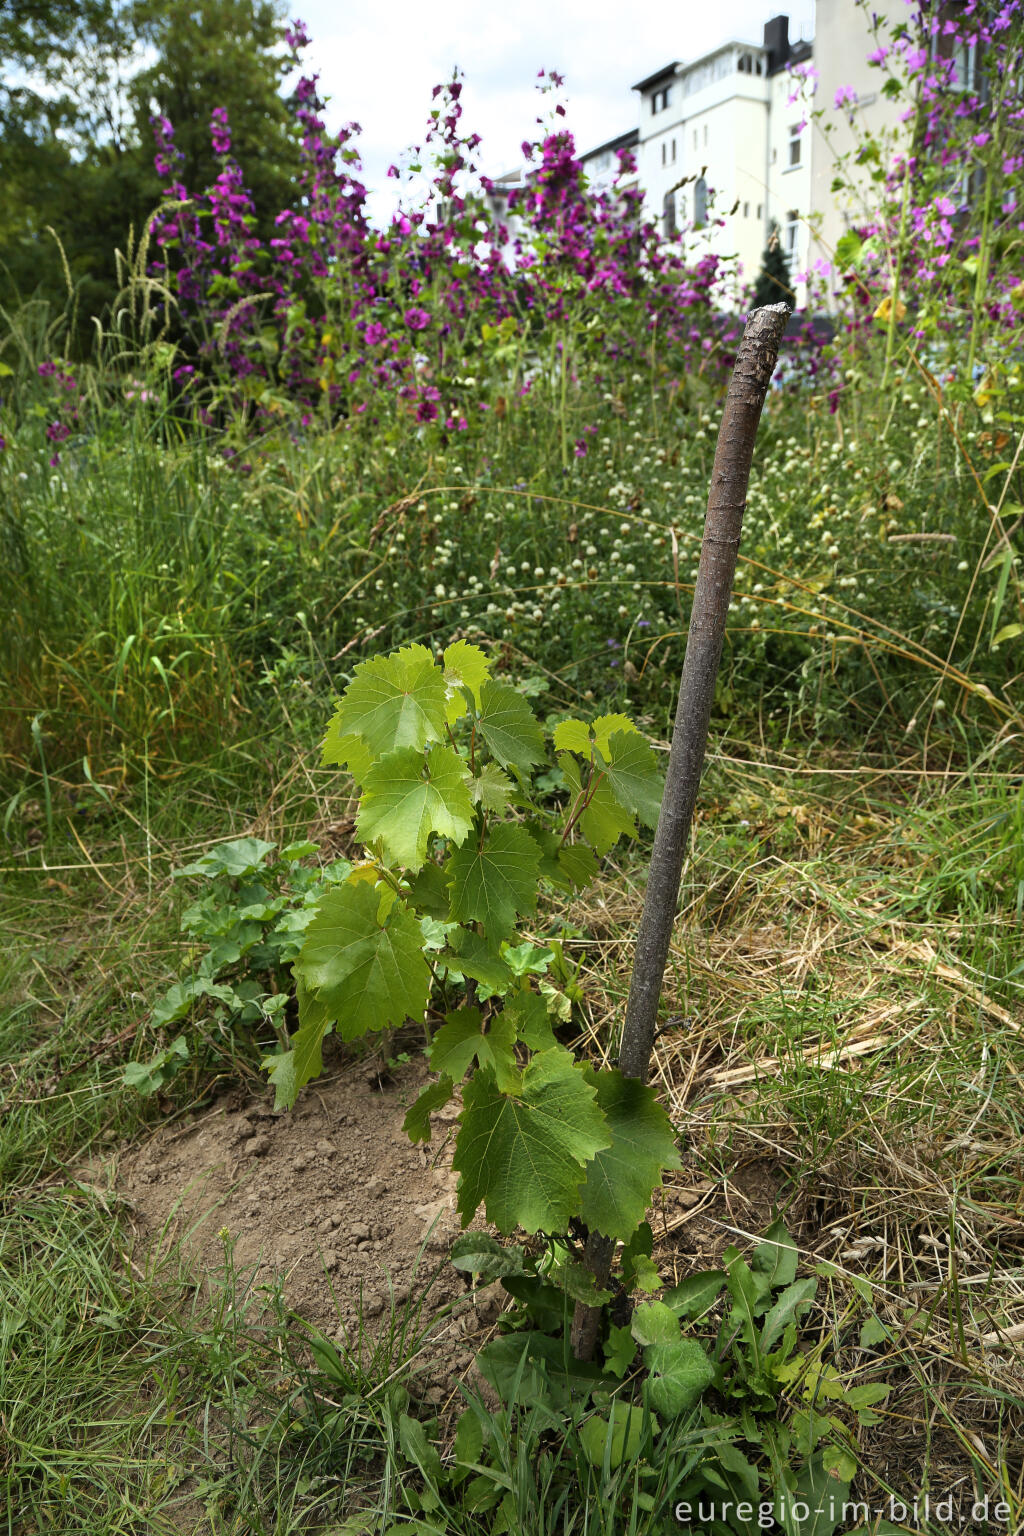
417	319
374	333
220	134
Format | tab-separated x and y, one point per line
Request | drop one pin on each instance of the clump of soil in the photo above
330	1196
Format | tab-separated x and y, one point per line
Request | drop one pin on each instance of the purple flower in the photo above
220	134
846	96
417	319
374	333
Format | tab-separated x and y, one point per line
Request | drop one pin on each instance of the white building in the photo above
745	141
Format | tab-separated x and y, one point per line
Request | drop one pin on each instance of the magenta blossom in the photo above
417	319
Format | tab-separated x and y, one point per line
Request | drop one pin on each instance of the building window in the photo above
700	203
695	138
660	100
760	210
668	216
746	210
705	135
673	151
792	224
794	144
664	152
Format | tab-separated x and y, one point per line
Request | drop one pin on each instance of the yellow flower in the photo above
885	309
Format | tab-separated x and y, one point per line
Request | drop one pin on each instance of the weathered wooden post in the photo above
734	452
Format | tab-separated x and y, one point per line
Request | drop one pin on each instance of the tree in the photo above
81	79
774	284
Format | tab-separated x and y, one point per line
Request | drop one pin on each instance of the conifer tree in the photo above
774	284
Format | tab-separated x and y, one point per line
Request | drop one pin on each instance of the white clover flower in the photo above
439	590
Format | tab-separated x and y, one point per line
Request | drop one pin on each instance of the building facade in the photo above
732	149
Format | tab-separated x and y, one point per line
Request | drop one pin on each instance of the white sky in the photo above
378	63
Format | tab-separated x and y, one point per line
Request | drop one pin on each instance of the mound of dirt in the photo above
330	1196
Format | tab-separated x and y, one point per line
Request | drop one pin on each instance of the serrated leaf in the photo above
679	1374
573	736
491	789
350	752
292	1069
392	701
605	726
631	770
523	1155
368	976
693	1296
482	1255
416	1124
465	667
619	1350
579	1284
776	1256
470	954
407	798
655	1323
578	864
494	883
508	726
529	1017
461	1039
645	1274
622	1178
604	820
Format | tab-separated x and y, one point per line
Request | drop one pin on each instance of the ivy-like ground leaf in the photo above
679	1374
508	726
632	773
367	975
522	1155
622	1177
492	884
404	802
392	701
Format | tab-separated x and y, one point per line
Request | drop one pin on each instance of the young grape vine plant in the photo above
458	841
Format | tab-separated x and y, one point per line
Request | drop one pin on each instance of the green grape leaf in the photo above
573	736
531	1021
578	863
605	819
631	771
366	974
349	752
416	1124
471	955
465	668
491	789
392	701
303	1060
522	1155
619	1350
509	728
679	1373
461	1038
622	1177
492	884
403	808
654	1323
606	725
428	892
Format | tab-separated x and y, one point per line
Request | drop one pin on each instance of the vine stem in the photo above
734	453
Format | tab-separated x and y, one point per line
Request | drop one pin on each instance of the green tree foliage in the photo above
80	80
774	284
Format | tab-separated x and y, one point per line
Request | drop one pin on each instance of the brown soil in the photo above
330	1197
